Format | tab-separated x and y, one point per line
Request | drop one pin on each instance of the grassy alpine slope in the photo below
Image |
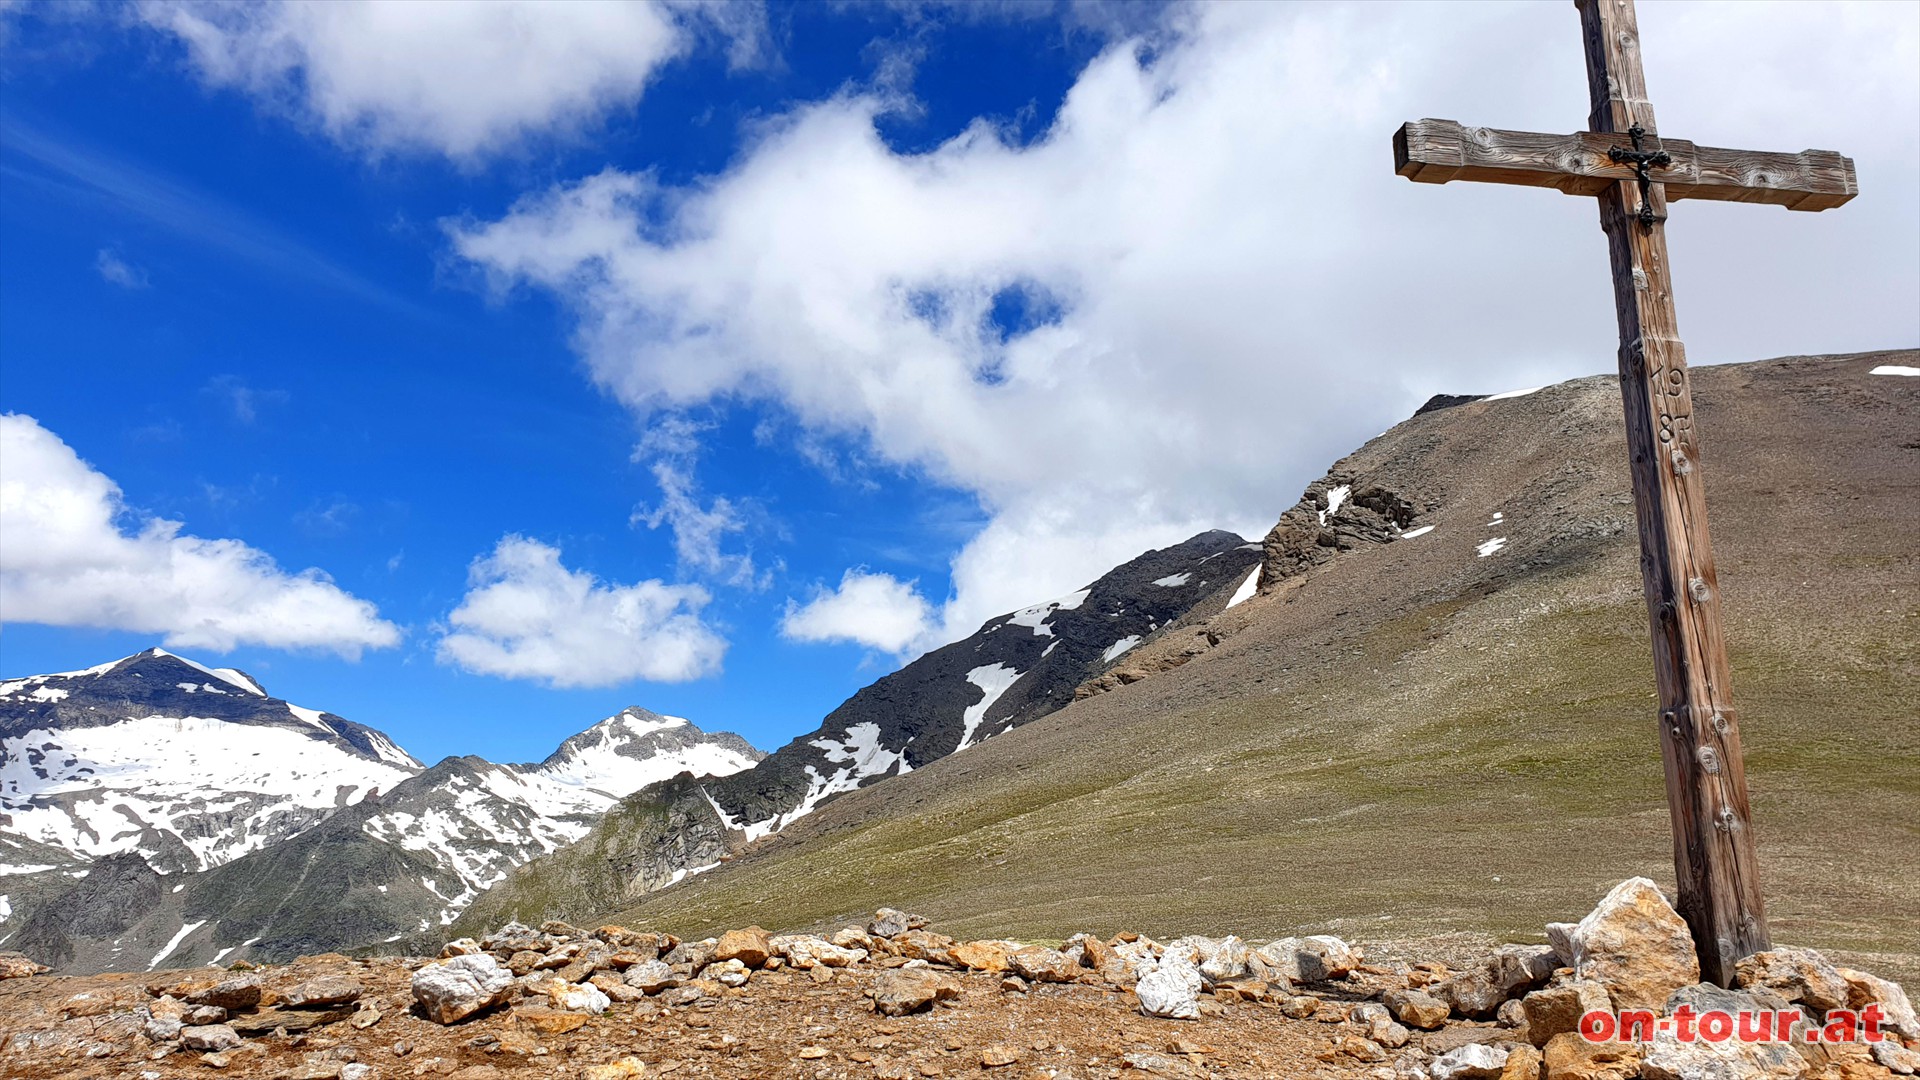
1414	739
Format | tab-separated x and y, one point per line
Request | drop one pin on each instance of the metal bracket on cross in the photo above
1642	160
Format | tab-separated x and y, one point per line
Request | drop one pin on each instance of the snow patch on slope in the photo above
167	949
1119	647
1246	590
1035	618
993	681
1334	499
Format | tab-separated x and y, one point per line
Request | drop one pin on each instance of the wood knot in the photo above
1709	761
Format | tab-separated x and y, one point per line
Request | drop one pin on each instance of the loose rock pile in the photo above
1315	1006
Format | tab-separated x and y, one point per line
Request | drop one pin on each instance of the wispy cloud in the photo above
36	161
245	401
118	271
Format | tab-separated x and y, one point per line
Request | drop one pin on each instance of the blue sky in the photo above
717	360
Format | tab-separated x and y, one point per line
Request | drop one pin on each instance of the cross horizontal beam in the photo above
1437	151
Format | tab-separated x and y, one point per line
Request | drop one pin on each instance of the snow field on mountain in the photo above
92	790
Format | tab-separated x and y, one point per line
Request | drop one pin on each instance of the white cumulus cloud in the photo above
875	610
1226	285
73	554
466	78
527	616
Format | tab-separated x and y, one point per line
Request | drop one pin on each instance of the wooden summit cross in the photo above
1635	173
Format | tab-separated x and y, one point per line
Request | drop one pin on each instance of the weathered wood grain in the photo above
1713	849
1440	151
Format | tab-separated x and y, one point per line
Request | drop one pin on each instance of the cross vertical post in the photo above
1622	160
1713	850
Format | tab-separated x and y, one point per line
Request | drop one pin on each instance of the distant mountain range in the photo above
1016	668
157	811
156	802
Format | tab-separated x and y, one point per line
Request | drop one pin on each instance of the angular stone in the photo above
1800	975
163	1028
465	946
751	946
1897	1013
1171	990
811	950
1558	1009
1896	1058
204	1014
1379	1024
548	1021
1101	957
1472	993
1635	944
1516	969
510	939
651	977
1277	962
1218	959
239	992
210	1038
322	990
922	945
1523	1063
1360	1049
455	989
694	954
888	922
992	956
1041	964
733	973
908	990
852	937
265	1020
1570	1057
1474	1061
1416	1008
1323	957
1301	1007
575	997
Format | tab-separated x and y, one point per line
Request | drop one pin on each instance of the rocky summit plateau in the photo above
890	997
1376	796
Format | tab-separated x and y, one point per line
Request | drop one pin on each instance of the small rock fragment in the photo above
907	990
1474	1061
210	1037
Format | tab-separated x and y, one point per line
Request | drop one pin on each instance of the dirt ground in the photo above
781	1024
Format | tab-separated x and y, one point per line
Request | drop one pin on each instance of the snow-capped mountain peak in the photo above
189	766
634	748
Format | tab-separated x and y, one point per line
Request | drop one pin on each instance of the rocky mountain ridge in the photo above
1016	668
156	809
